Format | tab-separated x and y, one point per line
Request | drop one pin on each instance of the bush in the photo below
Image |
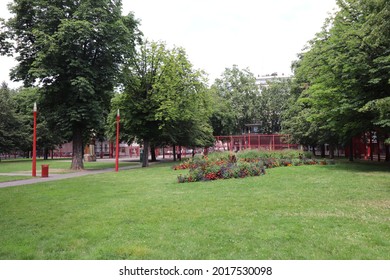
208	170
226	165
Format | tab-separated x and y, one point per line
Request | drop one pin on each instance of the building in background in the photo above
263	81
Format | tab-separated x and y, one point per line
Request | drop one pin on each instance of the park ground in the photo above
339	211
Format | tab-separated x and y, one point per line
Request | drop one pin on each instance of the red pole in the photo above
117	143
34	155
273	142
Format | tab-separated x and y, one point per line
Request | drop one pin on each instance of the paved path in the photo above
54	177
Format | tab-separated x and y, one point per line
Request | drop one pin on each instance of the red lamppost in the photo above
117	143
34	155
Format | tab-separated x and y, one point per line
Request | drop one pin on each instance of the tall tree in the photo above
238	93
73	50
184	102
345	72
136	103
273	101
164	99
47	139
377	40
14	134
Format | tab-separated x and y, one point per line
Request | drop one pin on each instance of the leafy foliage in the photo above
236	99
341	85
73	50
164	100
273	101
14	133
46	138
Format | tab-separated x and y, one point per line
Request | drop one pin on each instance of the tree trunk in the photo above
153	153
46	153
179	153
331	151
314	150
145	159
323	151
77	156
174	152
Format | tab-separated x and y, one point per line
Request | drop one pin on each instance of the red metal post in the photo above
288	141
117	143
273	142
34	155
371	147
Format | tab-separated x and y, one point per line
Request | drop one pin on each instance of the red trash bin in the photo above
45	170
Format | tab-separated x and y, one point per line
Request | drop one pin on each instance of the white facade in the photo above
263	81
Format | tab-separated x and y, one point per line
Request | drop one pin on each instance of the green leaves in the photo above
236	94
346	72
165	100
74	50
12	128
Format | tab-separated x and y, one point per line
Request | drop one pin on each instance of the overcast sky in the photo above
263	35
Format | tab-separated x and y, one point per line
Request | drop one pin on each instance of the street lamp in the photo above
34	155
117	142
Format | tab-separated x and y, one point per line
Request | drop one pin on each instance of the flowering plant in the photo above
225	166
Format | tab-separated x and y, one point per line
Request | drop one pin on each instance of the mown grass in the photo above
338	211
8	178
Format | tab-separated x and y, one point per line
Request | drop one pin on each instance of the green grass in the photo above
8	178
308	212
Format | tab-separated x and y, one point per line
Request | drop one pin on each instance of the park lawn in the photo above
8	178
55	165
338	211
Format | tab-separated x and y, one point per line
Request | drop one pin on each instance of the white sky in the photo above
263	35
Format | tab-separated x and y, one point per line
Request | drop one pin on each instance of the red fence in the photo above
254	141
369	146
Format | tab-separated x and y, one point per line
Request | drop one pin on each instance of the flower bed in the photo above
226	165
208	171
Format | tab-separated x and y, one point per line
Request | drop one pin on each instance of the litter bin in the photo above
45	170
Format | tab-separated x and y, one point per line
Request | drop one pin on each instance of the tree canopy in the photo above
236	96
165	101
239	100
342	84
73	51
273	102
14	133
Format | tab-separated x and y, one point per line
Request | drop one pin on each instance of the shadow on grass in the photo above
362	165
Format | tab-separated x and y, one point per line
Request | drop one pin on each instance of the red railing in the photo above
254	141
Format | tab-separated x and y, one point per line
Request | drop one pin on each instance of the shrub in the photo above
226	165
208	170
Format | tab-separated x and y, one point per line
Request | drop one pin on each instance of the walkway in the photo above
55	177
